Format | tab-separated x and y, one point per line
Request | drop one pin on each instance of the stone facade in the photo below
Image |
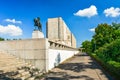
58	31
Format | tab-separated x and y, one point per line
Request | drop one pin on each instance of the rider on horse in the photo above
37	24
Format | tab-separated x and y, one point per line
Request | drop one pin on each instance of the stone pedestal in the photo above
37	34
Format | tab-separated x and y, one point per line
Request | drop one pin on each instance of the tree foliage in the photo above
2	39
105	47
110	51
105	41
87	45
103	35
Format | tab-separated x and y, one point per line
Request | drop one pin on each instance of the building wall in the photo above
52	29
73	41
58	31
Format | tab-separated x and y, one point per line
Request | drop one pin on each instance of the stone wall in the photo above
57	56
42	53
34	51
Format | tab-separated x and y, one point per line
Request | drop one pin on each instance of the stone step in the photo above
12	73
11	68
21	71
23	75
35	77
25	67
8	60
7	56
31	78
16	68
10	64
10	57
16	76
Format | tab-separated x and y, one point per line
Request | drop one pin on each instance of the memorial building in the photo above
58	31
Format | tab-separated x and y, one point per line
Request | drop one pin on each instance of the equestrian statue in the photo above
37	24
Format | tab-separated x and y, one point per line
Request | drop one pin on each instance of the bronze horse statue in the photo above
37	24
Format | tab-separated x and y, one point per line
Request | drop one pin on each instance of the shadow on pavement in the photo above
65	76
75	67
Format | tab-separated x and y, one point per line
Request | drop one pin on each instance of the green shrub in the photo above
112	67
109	51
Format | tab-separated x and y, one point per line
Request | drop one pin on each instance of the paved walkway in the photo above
78	68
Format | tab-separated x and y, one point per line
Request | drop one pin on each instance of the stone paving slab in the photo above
79	67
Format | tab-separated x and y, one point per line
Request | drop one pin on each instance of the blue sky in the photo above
81	16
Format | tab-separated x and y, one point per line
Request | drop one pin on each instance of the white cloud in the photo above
112	12
10	30
88	12
92	29
13	21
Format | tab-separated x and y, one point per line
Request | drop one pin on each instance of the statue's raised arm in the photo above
37	24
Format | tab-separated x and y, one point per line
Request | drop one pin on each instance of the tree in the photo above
2	39
103	35
87	46
8	39
116	26
116	33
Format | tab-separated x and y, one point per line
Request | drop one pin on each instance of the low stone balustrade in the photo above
55	45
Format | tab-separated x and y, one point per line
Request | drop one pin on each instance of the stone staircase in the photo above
12	68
